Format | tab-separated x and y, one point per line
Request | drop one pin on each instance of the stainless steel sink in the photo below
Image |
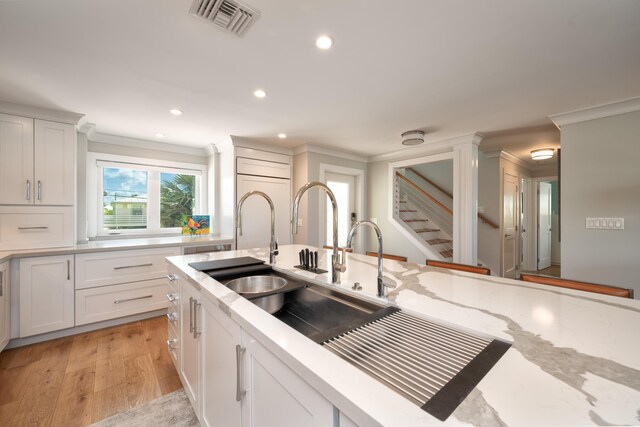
263	291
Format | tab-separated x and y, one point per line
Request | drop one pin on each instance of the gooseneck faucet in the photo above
336	266
273	248
382	281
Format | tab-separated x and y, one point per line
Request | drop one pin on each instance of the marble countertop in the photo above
116	245
574	360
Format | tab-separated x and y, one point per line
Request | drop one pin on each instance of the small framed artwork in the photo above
196	224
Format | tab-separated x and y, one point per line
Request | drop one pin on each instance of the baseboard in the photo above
19	342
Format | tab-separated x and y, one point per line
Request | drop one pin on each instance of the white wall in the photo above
601	178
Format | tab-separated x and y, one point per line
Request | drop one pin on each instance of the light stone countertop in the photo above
575	358
117	245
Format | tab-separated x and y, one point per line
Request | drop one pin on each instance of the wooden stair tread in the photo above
426	230
447	253
438	241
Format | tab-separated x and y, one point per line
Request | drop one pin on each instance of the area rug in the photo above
172	410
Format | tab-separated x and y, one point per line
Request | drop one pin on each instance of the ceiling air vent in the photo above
229	15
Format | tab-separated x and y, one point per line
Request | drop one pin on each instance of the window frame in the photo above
96	162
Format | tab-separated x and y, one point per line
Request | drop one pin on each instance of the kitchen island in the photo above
573	360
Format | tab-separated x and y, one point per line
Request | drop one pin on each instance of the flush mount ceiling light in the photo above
324	42
159	135
259	93
282	135
542	154
412	137
175	112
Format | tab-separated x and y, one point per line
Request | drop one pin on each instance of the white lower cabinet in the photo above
46	294
5	302
221	345
232	379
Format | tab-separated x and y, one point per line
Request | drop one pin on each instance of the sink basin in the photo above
263	291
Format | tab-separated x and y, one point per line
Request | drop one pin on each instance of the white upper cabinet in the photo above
37	162
54	163
16	160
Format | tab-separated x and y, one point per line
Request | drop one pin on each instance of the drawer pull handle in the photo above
172	318
120	301
239	392
171	297
133	266
33	228
171	277
170	344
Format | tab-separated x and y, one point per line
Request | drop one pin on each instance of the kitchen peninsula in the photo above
568	364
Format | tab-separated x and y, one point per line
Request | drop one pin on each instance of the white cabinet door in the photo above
55	163
220	336
189	346
256	217
5	330
16	160
46	294
276	396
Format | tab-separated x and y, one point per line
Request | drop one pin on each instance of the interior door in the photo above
510	226
544	225
256	216
16	160
343	187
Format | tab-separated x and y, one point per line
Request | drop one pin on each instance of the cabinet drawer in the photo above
110	302
110	268
173	343
263	168
30	227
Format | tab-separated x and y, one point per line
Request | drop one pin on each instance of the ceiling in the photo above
520	143
450	67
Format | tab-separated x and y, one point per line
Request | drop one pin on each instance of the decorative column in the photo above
465	198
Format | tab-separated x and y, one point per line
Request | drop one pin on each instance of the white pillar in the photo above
465	199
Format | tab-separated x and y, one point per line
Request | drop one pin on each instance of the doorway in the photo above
548	242
510	214
347	184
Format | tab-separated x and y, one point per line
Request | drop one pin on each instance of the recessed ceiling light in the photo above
159	135
175	112
324	42
282	135
259	93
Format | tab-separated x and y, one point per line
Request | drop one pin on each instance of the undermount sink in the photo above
263	291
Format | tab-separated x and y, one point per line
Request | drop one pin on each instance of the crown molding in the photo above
509	156
596	112
210	150
104	138
428	148
308	148
40	113
239	141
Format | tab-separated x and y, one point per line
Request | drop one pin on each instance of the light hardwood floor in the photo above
78	380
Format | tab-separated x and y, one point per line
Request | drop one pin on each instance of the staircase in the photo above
425	218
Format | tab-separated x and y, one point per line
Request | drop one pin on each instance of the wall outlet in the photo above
605	224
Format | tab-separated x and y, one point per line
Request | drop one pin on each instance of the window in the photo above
135	198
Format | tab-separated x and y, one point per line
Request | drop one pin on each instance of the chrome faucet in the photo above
336	266
273	248
382	281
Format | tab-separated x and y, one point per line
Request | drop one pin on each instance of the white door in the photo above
343	187
16	160
46	294
510	227
276	396
544	225
5	329
220	336
189	363
54	163
256	216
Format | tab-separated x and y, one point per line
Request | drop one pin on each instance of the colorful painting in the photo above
195	224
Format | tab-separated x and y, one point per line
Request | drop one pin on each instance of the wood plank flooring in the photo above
78	380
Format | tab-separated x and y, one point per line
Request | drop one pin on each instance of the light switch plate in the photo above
605	223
